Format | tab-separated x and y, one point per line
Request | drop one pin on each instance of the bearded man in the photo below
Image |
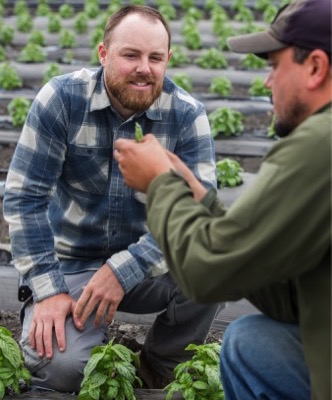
78	233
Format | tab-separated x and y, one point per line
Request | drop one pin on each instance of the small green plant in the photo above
54	23
226	121
219	17
138	132
179	57
261	5
251	61
227	31
199	377
67	39
68	57
6	34
183	80
12	369
110	374
66	11
258	88
244	15
32	53
92	9
9	78
271	131
167	10
24	22
191	35
20	7
52	71
81	22
194	13
228	173
43	8
212	58
37	37
96	36
269	13
18	110
186	4
221	85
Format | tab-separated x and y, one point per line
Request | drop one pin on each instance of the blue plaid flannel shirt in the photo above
65	201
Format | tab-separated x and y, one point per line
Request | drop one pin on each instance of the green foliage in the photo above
52	71
194	13
67	39
221	85
186	4
167	10
96	36
261	5
179	57
269	13
184	81
6	34
32	53
251	61
18	110
20	8
212	58
92	8
66	11
257	88
43	8
191	35
24	22
94	59
54	23
12	369
226	121
68	57
271	132
81	22
110	374
228	173
37	37
198	378
2	53
219	19
138	132
227	31
244	15
9	78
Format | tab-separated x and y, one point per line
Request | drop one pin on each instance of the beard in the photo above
129	98
296	113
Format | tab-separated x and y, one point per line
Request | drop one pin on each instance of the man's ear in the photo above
319	68
102	53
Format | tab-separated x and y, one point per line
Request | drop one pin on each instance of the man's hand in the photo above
50	314
103	292
198	189
141	162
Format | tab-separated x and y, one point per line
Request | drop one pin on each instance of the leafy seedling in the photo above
12	369
110	373
138	132
228	173
198	378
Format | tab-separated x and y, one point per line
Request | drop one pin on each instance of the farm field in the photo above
40	39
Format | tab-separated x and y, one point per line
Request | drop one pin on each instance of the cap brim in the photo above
259	43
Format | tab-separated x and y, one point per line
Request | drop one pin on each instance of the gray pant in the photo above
180	322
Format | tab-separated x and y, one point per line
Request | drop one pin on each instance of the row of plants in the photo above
111	372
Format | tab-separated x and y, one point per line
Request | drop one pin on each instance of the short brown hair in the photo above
146	11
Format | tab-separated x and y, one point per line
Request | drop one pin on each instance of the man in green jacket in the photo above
273	245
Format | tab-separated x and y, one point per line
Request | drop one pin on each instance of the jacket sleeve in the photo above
265	238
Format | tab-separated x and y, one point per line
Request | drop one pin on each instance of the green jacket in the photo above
272	246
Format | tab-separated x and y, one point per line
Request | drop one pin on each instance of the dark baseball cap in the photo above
302	23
